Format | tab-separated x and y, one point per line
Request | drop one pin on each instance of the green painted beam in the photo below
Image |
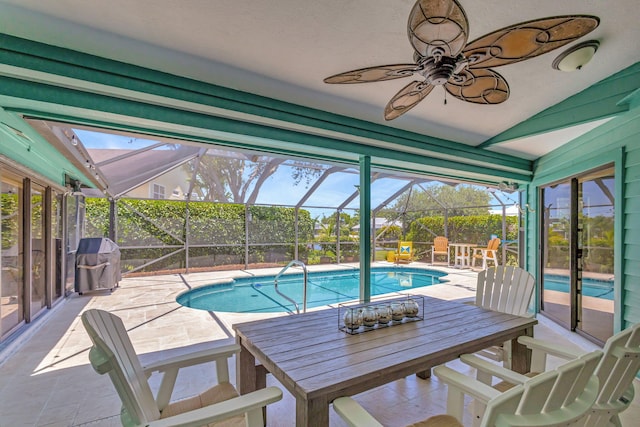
327	156
64	63
632	100
365	229
259	137
598	101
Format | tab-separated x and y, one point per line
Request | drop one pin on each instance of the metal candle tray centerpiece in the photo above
356	318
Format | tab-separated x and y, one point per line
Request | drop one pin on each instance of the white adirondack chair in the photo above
440	247
554	398
616	372
490	253
508	290
113	353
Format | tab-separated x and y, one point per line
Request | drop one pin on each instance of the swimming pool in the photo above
257	294
590	287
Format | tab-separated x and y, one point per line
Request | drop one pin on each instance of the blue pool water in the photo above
590	287
257	294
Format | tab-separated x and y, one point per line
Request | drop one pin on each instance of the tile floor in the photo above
45	380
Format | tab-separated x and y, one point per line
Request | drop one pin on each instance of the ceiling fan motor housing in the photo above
437	72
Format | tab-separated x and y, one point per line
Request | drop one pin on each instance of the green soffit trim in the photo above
257	137
23	145
598	101
55	61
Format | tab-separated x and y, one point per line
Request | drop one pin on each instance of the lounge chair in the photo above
554	398
440	248
113	353
405	252
490	253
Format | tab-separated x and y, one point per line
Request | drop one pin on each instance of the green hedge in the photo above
11	220
221	228
476	229
217	225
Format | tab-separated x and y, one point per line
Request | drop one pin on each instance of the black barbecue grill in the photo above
97	264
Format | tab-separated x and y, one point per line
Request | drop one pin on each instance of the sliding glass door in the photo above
577	253
595	233
556	253
12	289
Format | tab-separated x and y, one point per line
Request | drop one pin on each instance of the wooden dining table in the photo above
317	362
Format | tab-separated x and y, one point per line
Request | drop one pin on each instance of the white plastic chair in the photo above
113	353
554	398
616	372
507	290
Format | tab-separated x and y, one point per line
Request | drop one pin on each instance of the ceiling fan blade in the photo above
406	99
438	27
527	40
478	86
374	74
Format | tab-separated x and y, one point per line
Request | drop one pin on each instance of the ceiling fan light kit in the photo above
438	31
576	56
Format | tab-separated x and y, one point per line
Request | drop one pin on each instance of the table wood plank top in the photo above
313	359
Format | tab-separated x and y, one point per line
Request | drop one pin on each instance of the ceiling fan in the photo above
438	31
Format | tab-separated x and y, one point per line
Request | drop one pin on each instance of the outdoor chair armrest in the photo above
488	370
540	349
459	385
193	358
170	367
251	403
354	414
550	348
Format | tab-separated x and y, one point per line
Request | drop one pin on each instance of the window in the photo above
157	191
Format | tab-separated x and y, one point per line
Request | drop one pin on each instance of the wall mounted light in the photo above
576	56
508	186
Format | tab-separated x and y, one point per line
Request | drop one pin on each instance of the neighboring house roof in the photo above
128	172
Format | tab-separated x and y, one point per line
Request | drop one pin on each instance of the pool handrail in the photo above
304	292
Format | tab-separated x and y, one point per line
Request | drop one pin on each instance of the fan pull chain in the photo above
445	97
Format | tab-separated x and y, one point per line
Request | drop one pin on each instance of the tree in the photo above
347	224
434	200
239	179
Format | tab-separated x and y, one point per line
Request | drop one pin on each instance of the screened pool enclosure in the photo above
182	206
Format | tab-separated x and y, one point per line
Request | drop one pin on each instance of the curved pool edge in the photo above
242	276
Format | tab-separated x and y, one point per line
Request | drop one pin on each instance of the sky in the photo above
280	188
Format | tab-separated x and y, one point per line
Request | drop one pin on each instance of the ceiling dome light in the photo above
576	57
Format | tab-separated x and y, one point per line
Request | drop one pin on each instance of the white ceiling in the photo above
285	48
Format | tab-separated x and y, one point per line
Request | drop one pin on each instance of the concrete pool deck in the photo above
47	380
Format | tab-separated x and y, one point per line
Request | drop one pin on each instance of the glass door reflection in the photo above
12	309
596	232
38	252
578	251
556	253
